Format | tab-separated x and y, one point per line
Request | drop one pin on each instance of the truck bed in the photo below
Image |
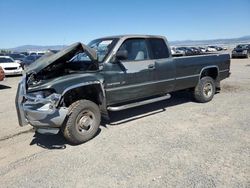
189	68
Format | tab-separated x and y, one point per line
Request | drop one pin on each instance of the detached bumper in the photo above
38	113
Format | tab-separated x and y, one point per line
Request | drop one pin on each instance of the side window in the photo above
159	49
136	48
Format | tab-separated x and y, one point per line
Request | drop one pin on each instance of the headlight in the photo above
44	96
244	52
54	98
233	52
41	94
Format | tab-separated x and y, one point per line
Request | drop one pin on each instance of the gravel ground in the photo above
174	143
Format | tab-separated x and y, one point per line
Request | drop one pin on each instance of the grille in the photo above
10	68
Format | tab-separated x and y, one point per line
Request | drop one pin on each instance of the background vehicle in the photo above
72	89
182	51
214	48
17	56
177	53
211	49
186	50
37	53
9	66
29	60
196	51
24	53
202	49
2	75
241	50
218	48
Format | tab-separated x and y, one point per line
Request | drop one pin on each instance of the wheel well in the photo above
89	92
212	72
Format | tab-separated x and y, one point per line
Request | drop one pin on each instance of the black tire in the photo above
83	121
205	90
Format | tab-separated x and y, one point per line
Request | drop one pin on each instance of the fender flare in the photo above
208	67
89	83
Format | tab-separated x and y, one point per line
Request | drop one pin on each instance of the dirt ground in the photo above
173	143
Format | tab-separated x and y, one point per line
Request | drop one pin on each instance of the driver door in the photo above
131	78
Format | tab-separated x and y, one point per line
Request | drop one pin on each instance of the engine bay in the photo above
79	63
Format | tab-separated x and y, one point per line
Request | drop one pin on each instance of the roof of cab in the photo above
133	36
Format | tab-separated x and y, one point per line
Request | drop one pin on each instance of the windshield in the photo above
16	55
6	60
102	47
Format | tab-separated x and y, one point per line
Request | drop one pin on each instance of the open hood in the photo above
63	55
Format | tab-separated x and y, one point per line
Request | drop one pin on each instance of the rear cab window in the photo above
158	48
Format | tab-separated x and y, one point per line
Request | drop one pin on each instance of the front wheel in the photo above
83	121
205	90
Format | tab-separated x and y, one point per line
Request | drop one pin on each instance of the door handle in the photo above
151	66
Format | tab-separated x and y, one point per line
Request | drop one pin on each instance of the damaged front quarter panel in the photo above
44	111
38	111
49	111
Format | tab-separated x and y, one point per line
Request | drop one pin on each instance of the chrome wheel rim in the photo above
208	90
85	121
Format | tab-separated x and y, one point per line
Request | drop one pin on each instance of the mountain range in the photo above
223	42
25	48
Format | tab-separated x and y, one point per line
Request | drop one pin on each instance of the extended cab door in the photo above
132	78
164	66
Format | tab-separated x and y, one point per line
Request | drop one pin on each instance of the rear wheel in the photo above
205	90
83	121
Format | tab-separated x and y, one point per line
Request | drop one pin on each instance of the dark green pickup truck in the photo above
72	89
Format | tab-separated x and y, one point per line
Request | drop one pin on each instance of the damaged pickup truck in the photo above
72	89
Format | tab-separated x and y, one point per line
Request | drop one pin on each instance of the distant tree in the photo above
4	51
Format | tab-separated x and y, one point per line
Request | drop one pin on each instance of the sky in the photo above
62	22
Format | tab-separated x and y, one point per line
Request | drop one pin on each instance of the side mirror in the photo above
121	55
